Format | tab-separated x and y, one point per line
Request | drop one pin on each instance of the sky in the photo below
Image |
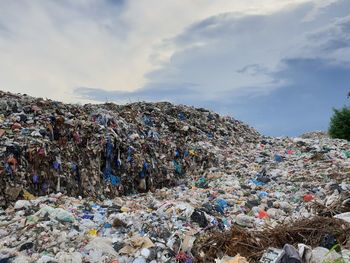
279	65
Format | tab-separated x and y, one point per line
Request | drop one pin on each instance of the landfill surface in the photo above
157	182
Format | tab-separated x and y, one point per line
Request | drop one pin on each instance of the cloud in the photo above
239	54
315	86
48	48
165	92
219	54
281	72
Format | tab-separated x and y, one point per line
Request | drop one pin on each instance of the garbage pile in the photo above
107	150
290	211
219	192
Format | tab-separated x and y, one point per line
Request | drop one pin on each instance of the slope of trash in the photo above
108	150
154	182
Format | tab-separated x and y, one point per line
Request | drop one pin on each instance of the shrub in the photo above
340	124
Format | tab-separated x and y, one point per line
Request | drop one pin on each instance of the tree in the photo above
340	124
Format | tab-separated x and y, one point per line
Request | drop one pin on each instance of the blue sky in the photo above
279	65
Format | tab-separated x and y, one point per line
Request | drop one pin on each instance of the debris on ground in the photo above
156	182
108	150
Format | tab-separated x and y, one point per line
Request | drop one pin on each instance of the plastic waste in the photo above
321	254
57	213
344	216
200	218
272	255
291	255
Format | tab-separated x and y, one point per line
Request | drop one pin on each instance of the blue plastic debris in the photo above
109	149
256	182
263	194
178	167
278	158
35	179
107	225
129	159
57	165
182	116
142	174
147	120
220	205
115	180
210	135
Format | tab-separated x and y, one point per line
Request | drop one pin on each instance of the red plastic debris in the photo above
308	198
263	214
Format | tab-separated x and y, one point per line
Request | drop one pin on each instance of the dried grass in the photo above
340	206
252	244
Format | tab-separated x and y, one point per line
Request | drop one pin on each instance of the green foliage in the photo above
340	124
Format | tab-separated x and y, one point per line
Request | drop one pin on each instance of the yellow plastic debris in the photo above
28	196
124	209
192	153
92	232
236	259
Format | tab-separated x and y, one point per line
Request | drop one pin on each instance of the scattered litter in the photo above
156	182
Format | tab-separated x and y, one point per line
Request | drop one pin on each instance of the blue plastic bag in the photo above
115	180
56	165
35	179
278	158
220	205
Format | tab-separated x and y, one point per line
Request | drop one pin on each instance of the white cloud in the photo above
48	48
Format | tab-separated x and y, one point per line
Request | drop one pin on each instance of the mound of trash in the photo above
108	150
154	182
